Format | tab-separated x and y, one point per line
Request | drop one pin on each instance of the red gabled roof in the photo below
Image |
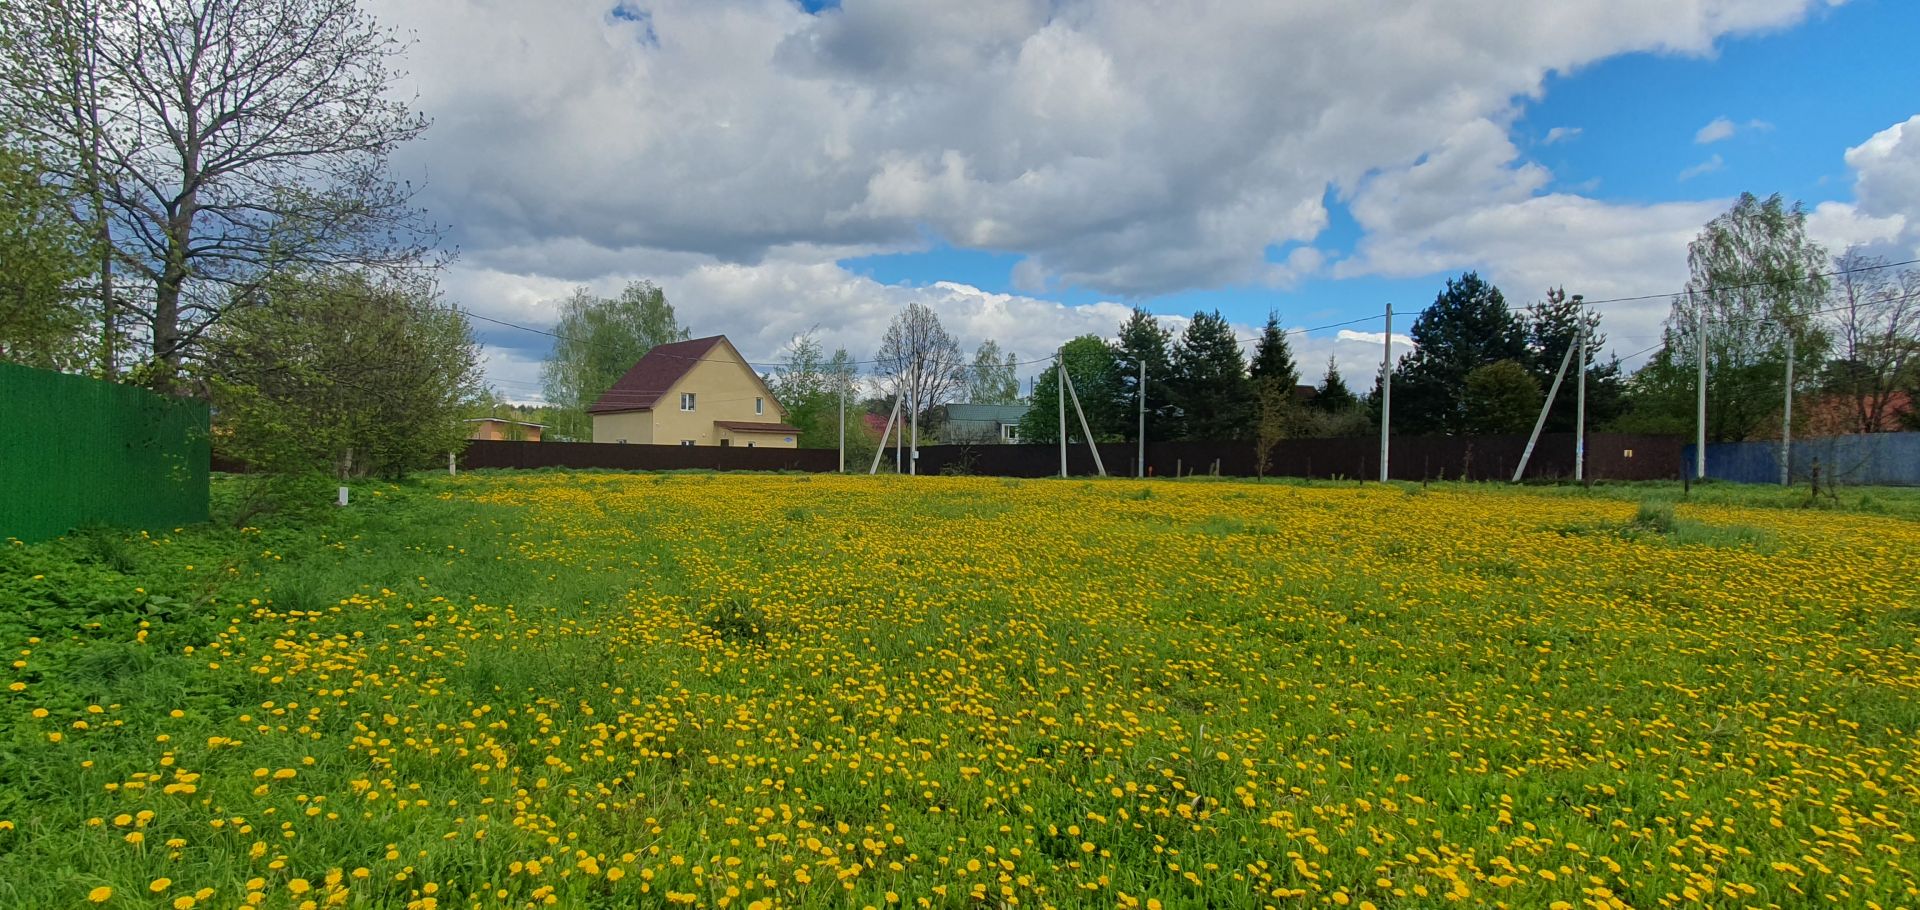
653	375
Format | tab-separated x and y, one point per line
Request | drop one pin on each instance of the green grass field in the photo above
614	690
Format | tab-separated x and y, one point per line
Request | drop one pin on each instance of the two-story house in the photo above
699	392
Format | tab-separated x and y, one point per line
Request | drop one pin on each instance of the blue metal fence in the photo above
1881	459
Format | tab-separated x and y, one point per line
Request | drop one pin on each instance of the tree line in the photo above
1478	366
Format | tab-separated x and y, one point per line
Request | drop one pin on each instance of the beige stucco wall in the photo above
635	427
724	388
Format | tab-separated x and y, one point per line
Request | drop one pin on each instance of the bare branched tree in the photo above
918	356
213	142
1876	333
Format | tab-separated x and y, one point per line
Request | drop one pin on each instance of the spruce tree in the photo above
1210	384
1467	327
1144	339
1272	357
1334	396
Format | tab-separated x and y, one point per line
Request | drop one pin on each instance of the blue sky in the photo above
1030	168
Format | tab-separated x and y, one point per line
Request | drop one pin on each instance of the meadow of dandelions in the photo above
604	690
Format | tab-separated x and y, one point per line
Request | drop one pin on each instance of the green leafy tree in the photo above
344	373
994	377
1144	340
213	144
44	320
1502	398
1755	279
809	386
1210	387
1095	370
1467	327
597	340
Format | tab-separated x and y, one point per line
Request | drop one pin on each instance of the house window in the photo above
1009	432
759	406
749	445
686	401
726	443
621	441
686	442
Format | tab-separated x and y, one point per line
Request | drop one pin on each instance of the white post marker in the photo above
343	497
450	467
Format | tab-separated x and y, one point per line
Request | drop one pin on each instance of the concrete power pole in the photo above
1553	392
1081	413
1786	420
843	428
1579	400
913	421
1386	391
1060	374
1700	414
1141	469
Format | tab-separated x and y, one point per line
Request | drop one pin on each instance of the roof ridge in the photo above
640	387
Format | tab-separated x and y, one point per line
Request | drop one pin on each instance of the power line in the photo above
1754	284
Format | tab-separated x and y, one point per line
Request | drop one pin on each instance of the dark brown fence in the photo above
1609	457
487	453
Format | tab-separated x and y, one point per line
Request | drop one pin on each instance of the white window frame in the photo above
686	442
1009	432
759	406
687	401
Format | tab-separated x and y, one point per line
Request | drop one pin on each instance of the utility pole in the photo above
1141	469
913	419
1386	391
1081	413
1580	398
843	427
1700	414
1553	392
1060	370
1786	420
880	450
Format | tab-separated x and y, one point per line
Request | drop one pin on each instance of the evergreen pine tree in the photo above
1144	339
1334	396
1210	384
1467	327
1273	358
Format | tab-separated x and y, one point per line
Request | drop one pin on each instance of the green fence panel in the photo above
76	451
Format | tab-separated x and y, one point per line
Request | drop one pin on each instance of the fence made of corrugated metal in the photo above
1877	459
1609	457
76	451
